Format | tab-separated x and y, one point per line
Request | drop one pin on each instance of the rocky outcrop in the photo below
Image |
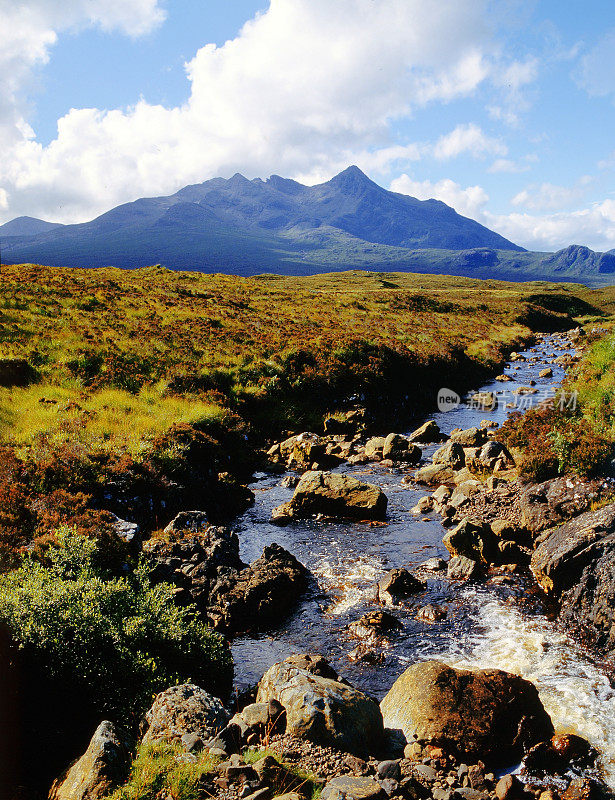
333	495
258	596
321	708
485	713
545	505
234	597
103	767
184	710
576	564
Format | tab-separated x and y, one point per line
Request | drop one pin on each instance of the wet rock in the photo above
473	539
428	432
103	767
375	624
507	530
333	495
546	373
398	584
435	474
290	481
442	495
260	595
584	789
471	437
463	492
461	568
431	613
399	448
486	713
434	564
558	755
323	709
451	454
184	709
484	400
349	787
424	505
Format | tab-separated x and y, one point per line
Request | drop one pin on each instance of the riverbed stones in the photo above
451	454
545	505
104	766
470	437
322	709
489	714
398	584
546	373
375	625
461	568
428	432
332	495
435	474
184	709
399	448
374	447
473	539
352	787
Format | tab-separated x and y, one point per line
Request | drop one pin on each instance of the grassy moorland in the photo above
135	383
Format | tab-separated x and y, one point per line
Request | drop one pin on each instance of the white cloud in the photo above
468	139
596	70
550	197
515	80
501	165
593	226
469	201
303	85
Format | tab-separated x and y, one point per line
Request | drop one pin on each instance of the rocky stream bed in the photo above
412	580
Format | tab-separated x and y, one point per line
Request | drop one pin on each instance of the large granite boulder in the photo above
428	432
321	708
575	563
258	596
487	714
103	767
181	710
452	454
473	539
333	495
470	437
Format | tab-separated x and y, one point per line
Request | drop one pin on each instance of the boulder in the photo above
472	437
473	539
374	625
461	568
463	492
484	400
184	709
258	596
435	474
484	713
491	451
258	721
398	584
399	448
374	447
428	432
101	769
351	787
188	522
321	708
333	495
546	373
452	454
576	564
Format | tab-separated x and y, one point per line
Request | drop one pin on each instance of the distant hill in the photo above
248	227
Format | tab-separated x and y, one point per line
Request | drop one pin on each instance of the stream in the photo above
487	625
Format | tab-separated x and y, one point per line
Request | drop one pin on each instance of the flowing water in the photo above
486	625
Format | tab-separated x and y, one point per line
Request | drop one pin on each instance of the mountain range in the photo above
248	227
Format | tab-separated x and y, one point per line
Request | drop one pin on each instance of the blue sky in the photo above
503	109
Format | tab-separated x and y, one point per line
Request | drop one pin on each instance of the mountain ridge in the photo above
249	226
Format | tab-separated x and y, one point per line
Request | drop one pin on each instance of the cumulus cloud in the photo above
596	70
469	201
303	85
550	197
468	139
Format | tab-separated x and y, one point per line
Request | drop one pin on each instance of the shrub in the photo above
119	640
553	441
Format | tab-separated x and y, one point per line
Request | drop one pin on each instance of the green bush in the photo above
119	640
